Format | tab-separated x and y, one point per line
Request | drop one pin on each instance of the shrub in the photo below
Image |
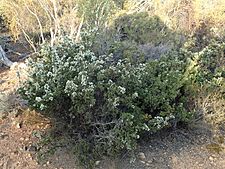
142	28
209	83
212	65
136	36
109	102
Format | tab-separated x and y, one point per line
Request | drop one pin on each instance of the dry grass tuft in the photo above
39	20
211	106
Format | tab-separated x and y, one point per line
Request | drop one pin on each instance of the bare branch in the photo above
39	22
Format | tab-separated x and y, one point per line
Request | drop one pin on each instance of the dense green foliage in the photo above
208	64
212	65
119	83
132	71
141	28
110	102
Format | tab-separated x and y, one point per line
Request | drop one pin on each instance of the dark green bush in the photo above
142	29
212	65
211	78
136	36
206	84
109	102
208	64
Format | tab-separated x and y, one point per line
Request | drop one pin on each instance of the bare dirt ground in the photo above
198	147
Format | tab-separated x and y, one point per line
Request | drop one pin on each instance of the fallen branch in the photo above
21	56
3	59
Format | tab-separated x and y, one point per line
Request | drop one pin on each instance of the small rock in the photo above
211	158
213	155
31	148
22	139
21	148
18	125
141	156
201	165
150	161
147	164
143	162
97	163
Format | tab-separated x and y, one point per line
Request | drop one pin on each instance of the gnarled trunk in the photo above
3	59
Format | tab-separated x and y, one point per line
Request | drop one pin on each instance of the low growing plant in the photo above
108	103
209	84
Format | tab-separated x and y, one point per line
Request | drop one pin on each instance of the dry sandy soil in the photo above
198	147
